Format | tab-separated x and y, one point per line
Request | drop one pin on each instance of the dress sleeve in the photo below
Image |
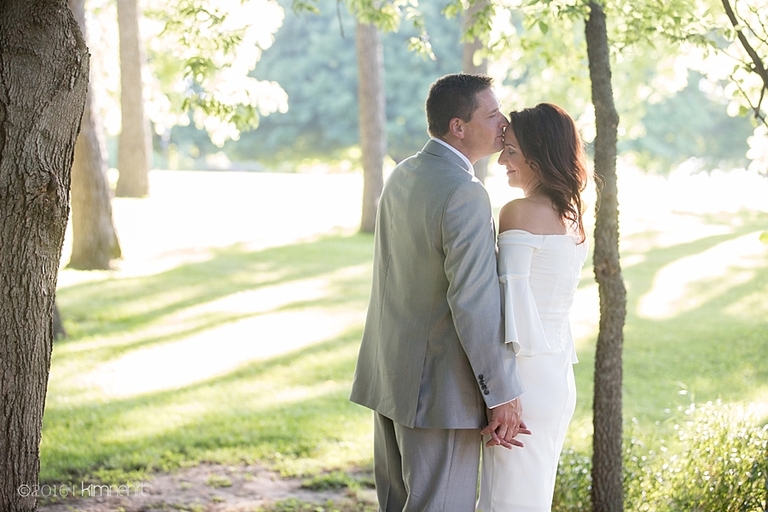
522	324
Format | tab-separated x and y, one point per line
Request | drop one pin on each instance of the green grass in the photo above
291	410
715	350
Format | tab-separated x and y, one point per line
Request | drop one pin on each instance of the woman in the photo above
541	252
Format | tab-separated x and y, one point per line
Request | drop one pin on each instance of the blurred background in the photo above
676	101
213	286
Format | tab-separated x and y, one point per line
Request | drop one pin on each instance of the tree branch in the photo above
759	67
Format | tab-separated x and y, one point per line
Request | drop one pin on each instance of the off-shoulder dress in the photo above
539	275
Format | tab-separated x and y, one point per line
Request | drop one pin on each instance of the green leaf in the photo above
543	27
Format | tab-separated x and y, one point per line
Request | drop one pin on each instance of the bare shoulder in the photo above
532	215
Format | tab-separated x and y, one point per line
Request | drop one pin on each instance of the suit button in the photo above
480	377
486	392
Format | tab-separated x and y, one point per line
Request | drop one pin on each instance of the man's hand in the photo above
504	424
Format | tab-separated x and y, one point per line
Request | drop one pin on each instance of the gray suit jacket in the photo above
432	353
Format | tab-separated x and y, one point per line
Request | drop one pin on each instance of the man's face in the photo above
485	129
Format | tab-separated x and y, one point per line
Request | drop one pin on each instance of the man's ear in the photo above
456	127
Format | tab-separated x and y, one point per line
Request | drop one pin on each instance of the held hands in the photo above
504	424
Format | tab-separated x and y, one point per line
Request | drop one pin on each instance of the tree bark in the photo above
43	81
372	119
469	66
607	493
94	239
134	144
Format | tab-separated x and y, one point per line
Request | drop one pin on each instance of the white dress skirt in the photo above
539	276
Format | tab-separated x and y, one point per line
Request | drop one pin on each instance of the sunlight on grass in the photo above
752	305
290	410
690	281
229	333
190	213
257	331
217	352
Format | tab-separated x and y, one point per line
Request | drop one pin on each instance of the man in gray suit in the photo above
433	365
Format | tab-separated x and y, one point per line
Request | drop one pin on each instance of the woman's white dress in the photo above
539	276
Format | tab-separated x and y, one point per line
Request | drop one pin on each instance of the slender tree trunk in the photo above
94	240
134	150
43	81
607	494
479	67
372	119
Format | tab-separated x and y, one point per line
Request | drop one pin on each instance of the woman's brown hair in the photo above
550	143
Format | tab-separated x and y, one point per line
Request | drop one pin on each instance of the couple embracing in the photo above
466	345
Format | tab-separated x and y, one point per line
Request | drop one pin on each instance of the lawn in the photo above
229	332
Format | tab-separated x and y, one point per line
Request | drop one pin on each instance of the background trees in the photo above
134	153
746	50
313	58
94	239
371	115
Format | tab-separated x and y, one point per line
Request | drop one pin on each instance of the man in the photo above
433	365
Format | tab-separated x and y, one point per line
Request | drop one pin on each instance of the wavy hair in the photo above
550	143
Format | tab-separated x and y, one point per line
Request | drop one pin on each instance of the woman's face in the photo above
519	172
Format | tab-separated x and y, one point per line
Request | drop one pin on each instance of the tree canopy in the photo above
539	55
313	59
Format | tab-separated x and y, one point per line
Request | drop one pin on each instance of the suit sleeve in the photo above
474	293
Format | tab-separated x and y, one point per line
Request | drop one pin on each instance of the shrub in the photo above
721	462
716	461
574	483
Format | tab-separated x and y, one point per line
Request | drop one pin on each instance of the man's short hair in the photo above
453	96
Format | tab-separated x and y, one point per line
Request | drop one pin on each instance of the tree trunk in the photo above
372	119
481	68
94	240
134	144
607	494
43	81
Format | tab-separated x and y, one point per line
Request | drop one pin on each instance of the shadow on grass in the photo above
291	411
117	306
286	409
702	352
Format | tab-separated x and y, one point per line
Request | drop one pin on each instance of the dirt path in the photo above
205	488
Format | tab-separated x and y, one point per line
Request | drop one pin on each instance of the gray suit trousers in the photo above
425	469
